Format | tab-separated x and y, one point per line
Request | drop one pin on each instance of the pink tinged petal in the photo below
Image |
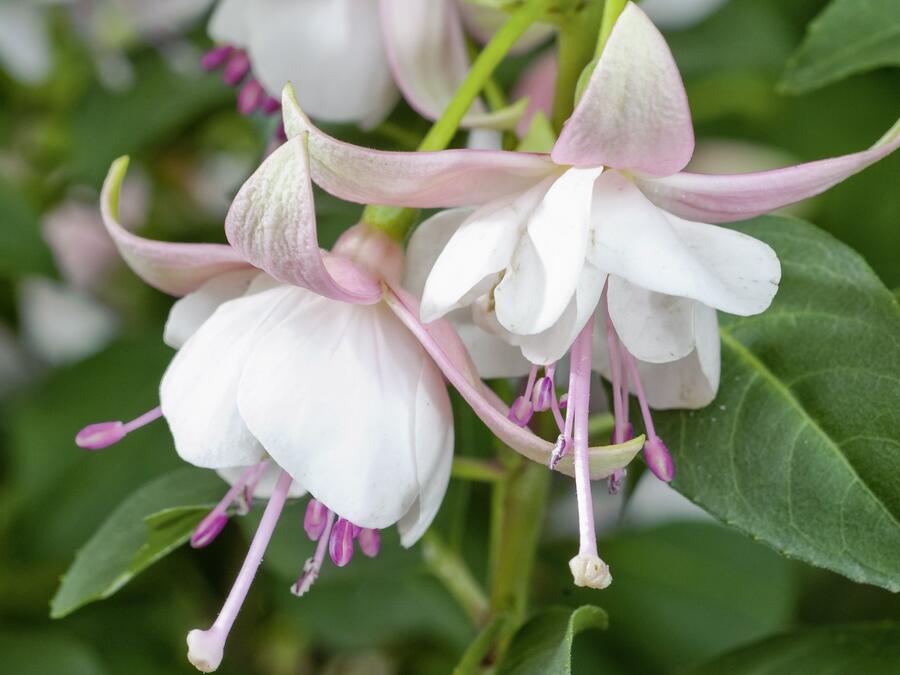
412	179
198	393
175	269
445	348
537	84
479	247
332	52
644	245
654	327
726	198
634	112
189	313
327	390
690	382
543	275
272	222
427	52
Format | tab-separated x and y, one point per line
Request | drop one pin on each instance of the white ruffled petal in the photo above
328	390
230	21
189	313
654	327
545	269
198	393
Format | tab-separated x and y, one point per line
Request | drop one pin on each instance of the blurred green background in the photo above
77	348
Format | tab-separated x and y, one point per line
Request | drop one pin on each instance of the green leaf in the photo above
543	646
43	654
872	649
848	37
147	526
681	593
800	448
22	249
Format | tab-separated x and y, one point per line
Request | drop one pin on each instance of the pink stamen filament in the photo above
206	647
615	368
579	401
103	434
312	566
210	527
639	390
550	373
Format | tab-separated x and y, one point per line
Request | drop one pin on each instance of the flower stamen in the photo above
313	566
214	522
655	451
206	647
103	434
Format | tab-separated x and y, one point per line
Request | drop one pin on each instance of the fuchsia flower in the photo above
607	215
299	369
344	68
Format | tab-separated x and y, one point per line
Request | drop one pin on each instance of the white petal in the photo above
492	355
690	382
637	241
329	392
189	313
433	453
544	272
552	344
229	23
266	484
198	393
331	51
654	327
426	243
481	246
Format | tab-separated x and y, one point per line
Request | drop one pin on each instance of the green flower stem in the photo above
451	570
611	11
480	647
397	222
479	470
577	37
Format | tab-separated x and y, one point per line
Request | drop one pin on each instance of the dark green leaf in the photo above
543	646
151	523
872	649
800	447
46	654
848	37
681	593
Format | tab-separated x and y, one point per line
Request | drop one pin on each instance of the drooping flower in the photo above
607	215
299	369
346	58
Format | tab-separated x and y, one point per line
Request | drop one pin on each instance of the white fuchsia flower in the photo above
347	58
304	370
608	213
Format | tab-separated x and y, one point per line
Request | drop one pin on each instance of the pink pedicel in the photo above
340	548
369	541
206	647
216	56
214	522
103	434
315	519
236	68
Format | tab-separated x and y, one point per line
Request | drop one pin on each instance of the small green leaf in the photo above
147	526
800	447
848	37
873	649
543	646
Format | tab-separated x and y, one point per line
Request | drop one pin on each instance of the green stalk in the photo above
577	36
451	570
611	11
397	222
